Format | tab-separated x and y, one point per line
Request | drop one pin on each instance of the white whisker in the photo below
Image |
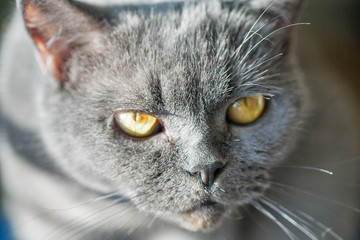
261	209
289	216
156	216
307	168
93	200
67	227
326	230
281	185
129	232
104	222
263	62
270	34
246	38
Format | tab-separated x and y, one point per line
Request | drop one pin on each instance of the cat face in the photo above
186	67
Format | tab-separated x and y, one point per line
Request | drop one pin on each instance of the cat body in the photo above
68	173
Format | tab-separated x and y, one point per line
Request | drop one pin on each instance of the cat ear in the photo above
288	10
58	28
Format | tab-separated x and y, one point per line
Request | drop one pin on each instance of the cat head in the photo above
182	108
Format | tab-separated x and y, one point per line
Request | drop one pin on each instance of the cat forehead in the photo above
184	57
183	61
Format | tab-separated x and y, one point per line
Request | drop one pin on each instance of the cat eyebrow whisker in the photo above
263	62
269	215
289	216
266	39
270	34
246	38
260	77
282	186
257	31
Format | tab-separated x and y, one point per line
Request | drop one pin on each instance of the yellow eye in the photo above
246	110
137	124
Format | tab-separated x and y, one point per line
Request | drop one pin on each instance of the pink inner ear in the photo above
42	30
48	60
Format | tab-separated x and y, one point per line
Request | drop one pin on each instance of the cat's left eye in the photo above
136	124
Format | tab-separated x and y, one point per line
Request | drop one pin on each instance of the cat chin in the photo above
205	217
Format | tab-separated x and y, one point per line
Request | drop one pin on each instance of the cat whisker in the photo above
74	224
246	38
263	62
93	200
257	32
307	168
105	220
129	232
266	39
269	35
65	228
260	77
289	216
219	188
48	211
284	186
324	229
269	215
156	216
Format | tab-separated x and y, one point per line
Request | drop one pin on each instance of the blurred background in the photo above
333	36
335	33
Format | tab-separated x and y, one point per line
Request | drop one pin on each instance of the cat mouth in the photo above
203	217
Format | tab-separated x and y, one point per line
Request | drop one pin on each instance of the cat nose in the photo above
207	173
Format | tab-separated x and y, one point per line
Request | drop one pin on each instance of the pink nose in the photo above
207	173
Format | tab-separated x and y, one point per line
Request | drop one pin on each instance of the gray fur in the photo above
178	64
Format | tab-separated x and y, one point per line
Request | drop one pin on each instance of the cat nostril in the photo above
207	173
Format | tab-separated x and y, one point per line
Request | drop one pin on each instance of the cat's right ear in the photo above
58	28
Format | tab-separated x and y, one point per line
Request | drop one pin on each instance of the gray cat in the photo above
172	120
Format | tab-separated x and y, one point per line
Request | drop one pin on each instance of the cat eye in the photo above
136	124
246	110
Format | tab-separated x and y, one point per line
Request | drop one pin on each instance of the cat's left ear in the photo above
59	28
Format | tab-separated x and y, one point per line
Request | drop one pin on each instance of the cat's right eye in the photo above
136	124
246	110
